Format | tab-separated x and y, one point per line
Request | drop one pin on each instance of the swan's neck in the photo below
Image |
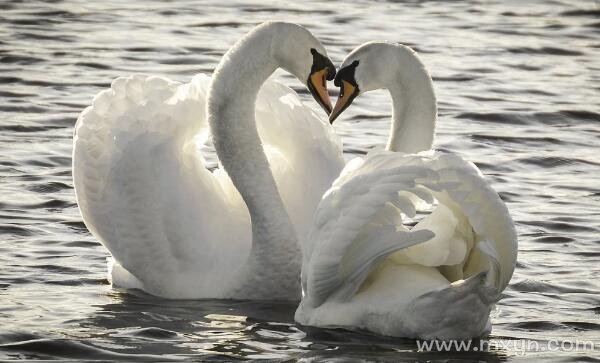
414	111
231	108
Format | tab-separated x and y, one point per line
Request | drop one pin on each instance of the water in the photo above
518	88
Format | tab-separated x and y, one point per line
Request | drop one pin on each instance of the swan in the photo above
174	228
362	267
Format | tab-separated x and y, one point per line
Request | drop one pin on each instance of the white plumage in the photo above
363	266
365	269
174	228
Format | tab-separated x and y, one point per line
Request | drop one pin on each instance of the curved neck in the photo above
231	107
414	110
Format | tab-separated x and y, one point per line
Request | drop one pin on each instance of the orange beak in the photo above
317	85
347	94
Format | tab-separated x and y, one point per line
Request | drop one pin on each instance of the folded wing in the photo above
361	221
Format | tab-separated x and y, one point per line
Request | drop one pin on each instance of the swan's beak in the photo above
347	94
317	85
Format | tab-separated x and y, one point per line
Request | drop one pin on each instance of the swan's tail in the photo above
459	311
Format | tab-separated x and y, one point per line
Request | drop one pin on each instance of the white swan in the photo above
362	268
178	230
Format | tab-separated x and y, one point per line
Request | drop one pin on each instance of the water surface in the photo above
518	89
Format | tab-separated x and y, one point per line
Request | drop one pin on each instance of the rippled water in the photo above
518	85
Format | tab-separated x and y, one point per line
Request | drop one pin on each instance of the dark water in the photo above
518	85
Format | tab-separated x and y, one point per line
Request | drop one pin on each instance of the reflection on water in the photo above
517	85
142	327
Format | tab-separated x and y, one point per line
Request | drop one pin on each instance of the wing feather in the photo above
348	238
304	151
144	190
153	204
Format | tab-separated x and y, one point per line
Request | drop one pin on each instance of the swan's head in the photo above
301	54
371	66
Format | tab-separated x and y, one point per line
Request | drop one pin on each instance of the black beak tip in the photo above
333	118
331	73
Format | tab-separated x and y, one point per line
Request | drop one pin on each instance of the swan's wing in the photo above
304	152
475	200
143	189
336	258
352	224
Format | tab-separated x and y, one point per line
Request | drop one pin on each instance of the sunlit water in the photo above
518	85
